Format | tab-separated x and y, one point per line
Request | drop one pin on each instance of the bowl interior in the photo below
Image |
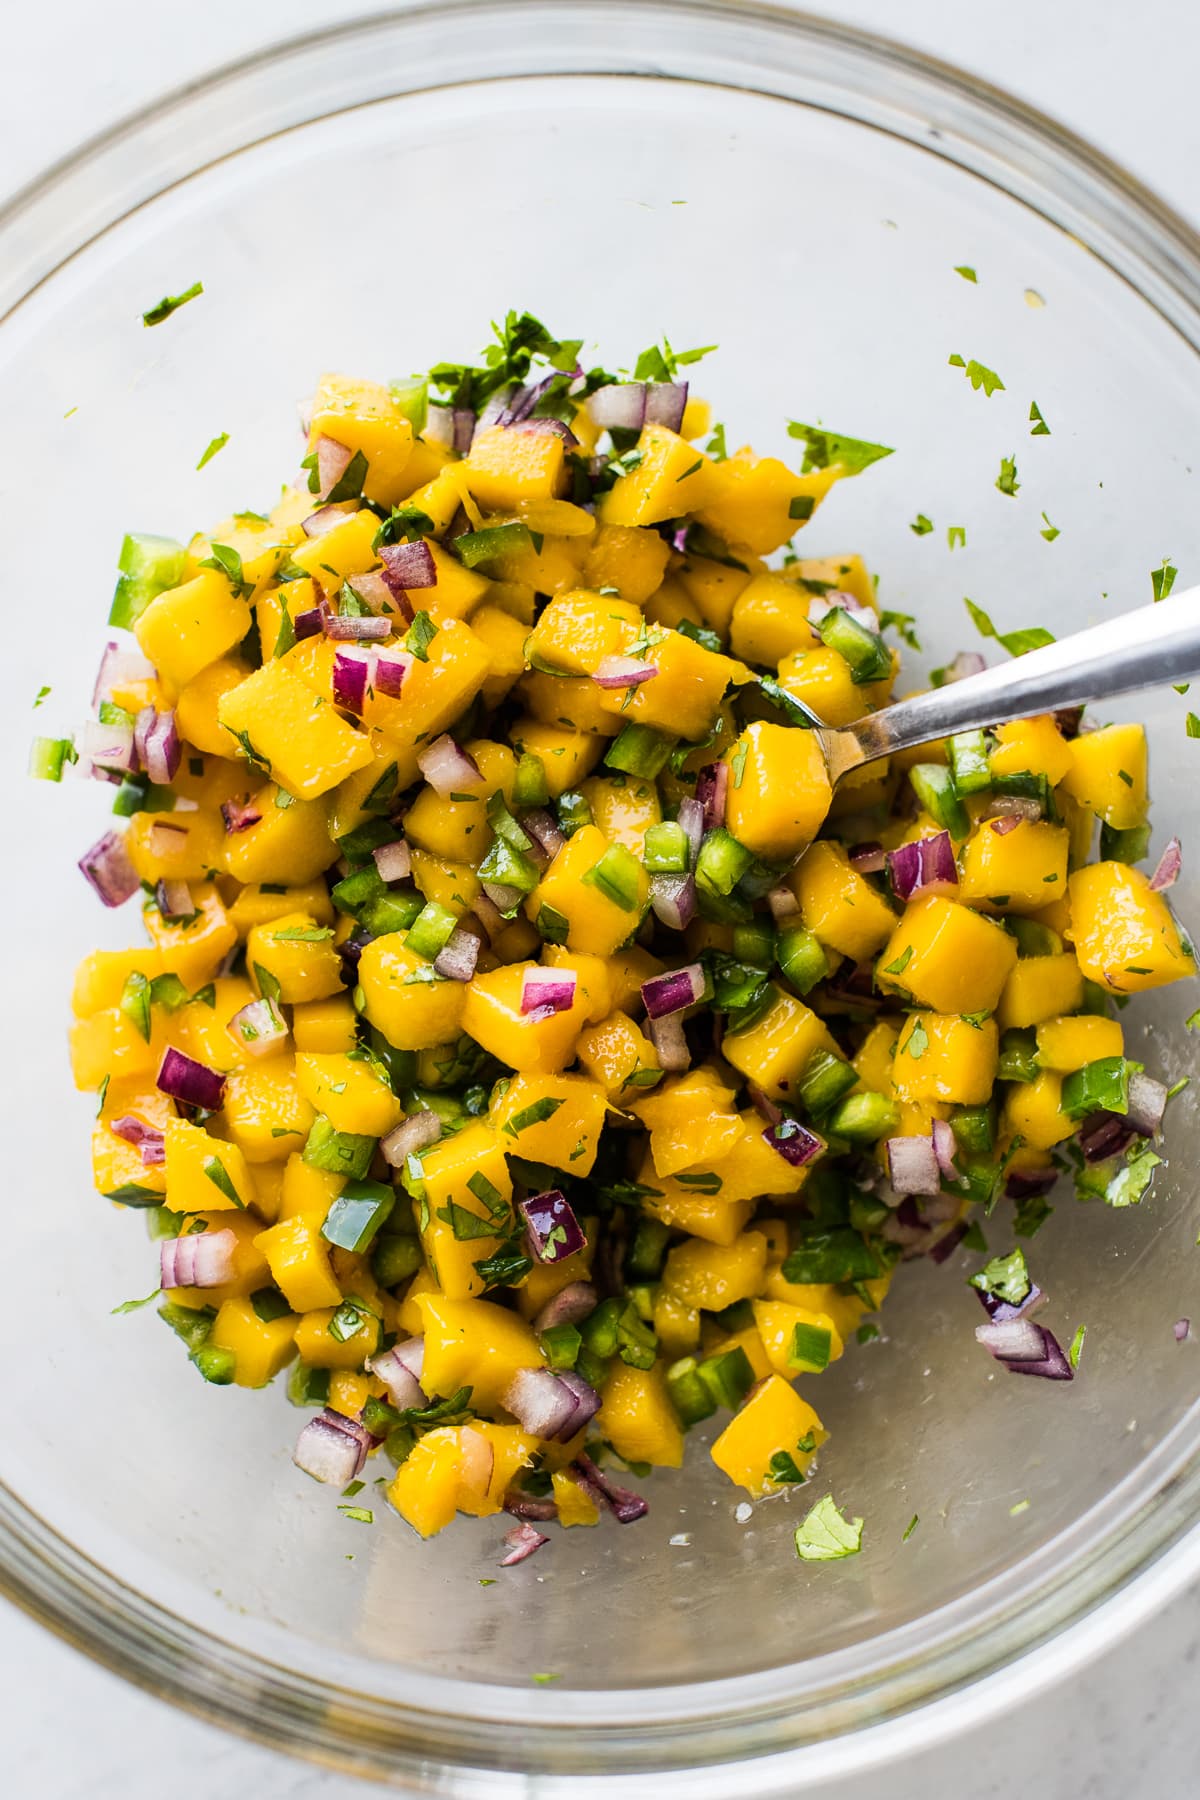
820	255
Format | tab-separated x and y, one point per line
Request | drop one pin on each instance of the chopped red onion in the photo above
200	1259
1026	1349
1147	1103
310	623
157	742
670	1044
119	668
965	664
943	1149
109	747
333	459
1068	719
1182	1328
457	958
869	859
794	1142
239	815
412	1354
452	427
404	1388
259	1027
913	1165
1003	825
174	899
489	915
673	992
1006	811
391	668
1170	865
373	591
351	678
925	866
393	861
1105	1134
476	1461
1001	1312
547	1405
673	898
553	1231
544	831
521	1542
410	1137
182	1078
447	767
690	819
357	628
529	1506
712	790
1029	1184
783	904
408	565
623	672
626	1506
108	868
569	1305
325	518
505	899
836	600
148	1139
332	1448
549	989
666	403
621	406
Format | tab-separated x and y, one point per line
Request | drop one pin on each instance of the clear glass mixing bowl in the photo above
801	195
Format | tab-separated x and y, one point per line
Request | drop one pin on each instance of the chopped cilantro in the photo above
171	303
421	634
966	271
978	374
956	537
903	624
1076	1350
219	1175
921	526
1006	480
663	363
827	1535
828	449
1005	1277
1049	531
1017	643
215	444
911	1527
1162	579
1039	427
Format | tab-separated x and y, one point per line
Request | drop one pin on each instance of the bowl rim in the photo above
452	1736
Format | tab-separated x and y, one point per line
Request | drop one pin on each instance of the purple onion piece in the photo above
391	668
943	1148
408	565
410	1137
541	1403
569	1305
393	861
457	958
521	1542
547	991
174	899
1182	1328
544	831
333	459
673	992
147	1139
923	866
325	518
666	403
1147	1104
202	1259
690	819
965	664
530	1506
351	672
1029	1184
310	623
948	1243
108	868
1170	865
623	672
194	1083
119	668
621	406
357	628
712	790
404	1388
1003	1312
446	766
670	1044
551	1227
913	1165
110	749
625	1505
673	898
1105	1134
869	859
332	1448
239	815
259	1028
794	1142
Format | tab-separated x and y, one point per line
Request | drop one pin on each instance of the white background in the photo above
1125	76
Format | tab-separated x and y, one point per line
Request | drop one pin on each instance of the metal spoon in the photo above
1142	649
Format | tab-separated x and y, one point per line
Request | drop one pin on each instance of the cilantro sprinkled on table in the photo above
170	303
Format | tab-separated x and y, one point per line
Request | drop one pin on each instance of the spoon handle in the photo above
1142	649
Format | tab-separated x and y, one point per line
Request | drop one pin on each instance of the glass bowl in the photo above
802	195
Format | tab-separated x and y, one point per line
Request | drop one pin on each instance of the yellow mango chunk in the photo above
691	1119
263	904
324	1026
823	681
413	1011
627	558
711	1216
776	1049
769	622
265	1112
476	1344
297	955
298	735
779	790
637	1418
196	710
597	923
261	1346
109	1043
941	1057
503	637
101	976
467	1189
618	1055
1013	871
290	844
349	1092
1036	745
1040	987
188	627
759	503
492	1016
341	553
623	809
575	1505
425	1488
672	478
713	1276
1064	1045
203	1172
1033	1111
180	846
776	1322
774	1422
1109	774
948	957
685	695
566	754
714	587
117	1167
364	416
298	1258
1125	937
456	828
194	951
512	1450
319	1347
838	905
874	1059
507	465
553	1119
306	1192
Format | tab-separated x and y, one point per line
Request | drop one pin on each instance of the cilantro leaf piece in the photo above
1017	643
1132	1183
1038	425
1076	1350
921	526
215	444
978	374
1162	579
1193	725
1006	480
826	1535
1005	1277
829	449
911	1527
228	562
170	303
956	537
966	271
716	447
903	624
129	1306
1049	531
663	363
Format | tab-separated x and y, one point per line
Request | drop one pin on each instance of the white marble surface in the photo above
1123	1729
